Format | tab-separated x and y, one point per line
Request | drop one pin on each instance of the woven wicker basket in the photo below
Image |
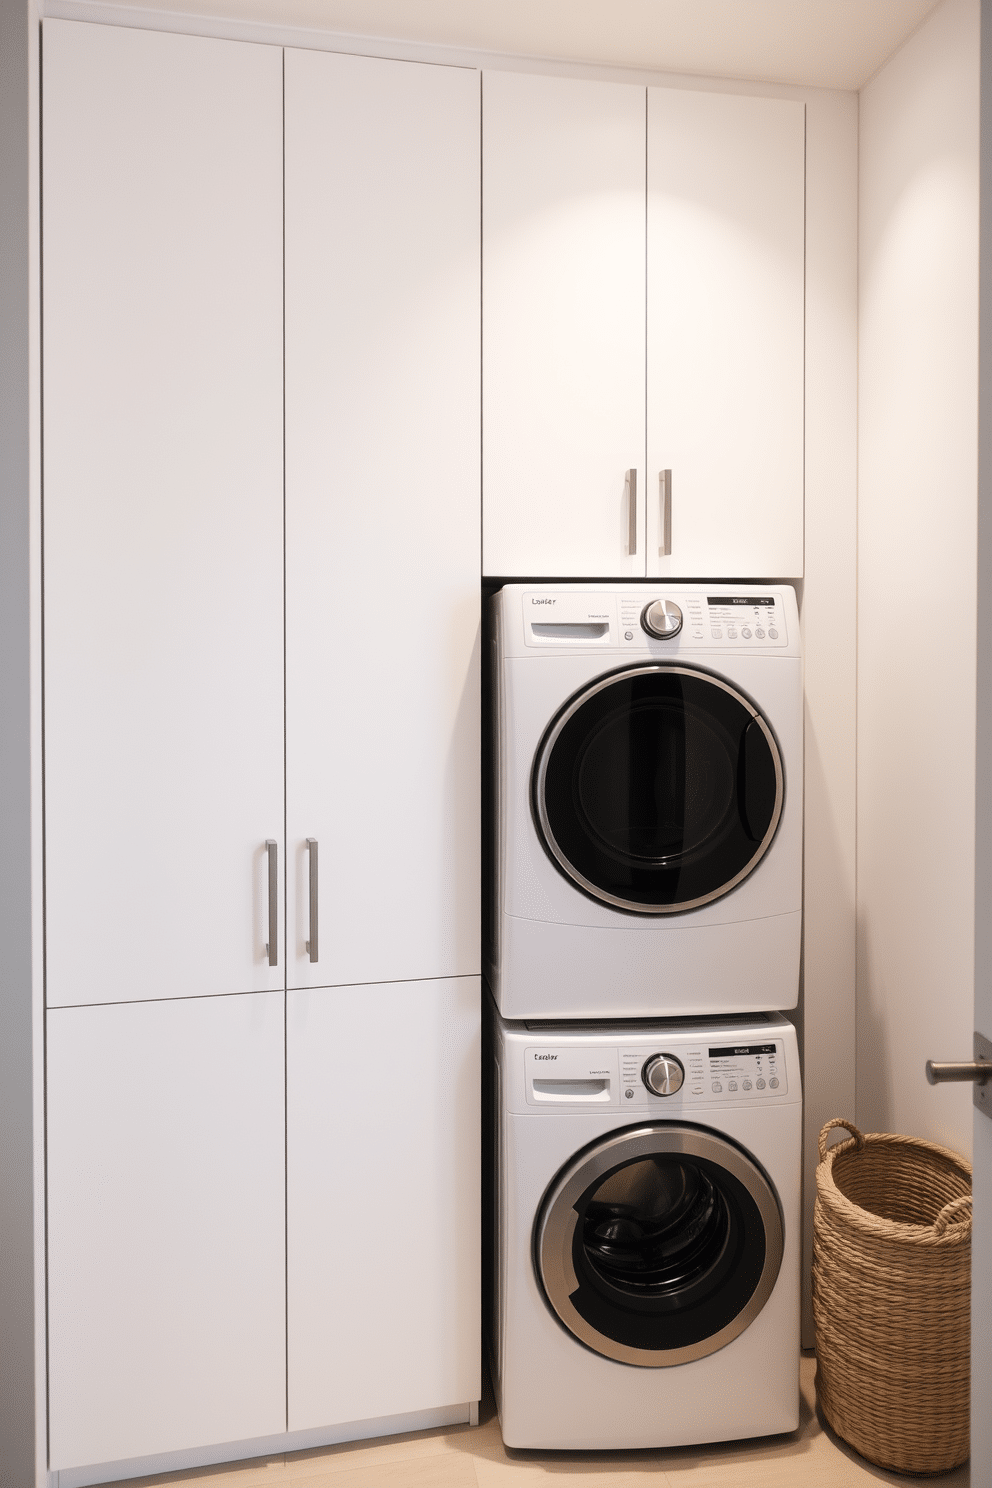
891	1295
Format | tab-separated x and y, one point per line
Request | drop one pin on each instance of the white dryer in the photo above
648	800
647	1201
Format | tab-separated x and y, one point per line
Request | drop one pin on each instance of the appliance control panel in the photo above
658	1077
664	620
719	1071
755	620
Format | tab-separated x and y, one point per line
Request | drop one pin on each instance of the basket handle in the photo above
839	1121
952	1211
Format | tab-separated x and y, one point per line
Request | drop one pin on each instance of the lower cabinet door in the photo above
383	1188
166	1226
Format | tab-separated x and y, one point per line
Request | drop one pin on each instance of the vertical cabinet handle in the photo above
312	942
272	945
631	485
665	482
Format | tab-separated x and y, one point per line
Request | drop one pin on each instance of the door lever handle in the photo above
977	1071
942	1074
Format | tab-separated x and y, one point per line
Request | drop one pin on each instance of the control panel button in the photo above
773	1083
773	635
760	634
760	1085
731	1084
746	1084
746	632
663	1074
717	1087
662	619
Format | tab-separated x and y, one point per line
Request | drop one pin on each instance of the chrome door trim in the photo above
541	769
554	1231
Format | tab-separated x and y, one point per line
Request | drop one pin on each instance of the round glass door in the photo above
658	788
659	1244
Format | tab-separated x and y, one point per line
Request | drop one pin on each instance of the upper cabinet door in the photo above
726	232
163	543
563	326
382	514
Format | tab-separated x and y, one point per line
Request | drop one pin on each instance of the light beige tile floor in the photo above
474	1457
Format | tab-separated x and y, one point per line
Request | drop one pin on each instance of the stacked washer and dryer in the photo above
644	936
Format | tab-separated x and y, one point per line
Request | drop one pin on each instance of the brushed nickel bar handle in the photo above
272	944
665	481
312	942
631	484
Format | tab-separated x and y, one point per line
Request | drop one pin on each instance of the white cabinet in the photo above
233	645
383	1191
603	355
726	234
563	325
166	1229
382	517
163	511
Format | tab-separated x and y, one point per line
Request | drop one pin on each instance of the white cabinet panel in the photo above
726	232
165	1226
162	510
382	514
563	324
383	1186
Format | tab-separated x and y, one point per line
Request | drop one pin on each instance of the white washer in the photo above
648	800
646	1276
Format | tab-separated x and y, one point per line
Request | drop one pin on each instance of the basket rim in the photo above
828	1191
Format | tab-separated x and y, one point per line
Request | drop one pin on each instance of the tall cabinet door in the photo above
563	326
162	511
382	519
166	1226
726	233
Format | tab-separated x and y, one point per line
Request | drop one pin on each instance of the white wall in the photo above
829	615
918	411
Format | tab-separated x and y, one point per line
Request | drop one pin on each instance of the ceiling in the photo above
819	43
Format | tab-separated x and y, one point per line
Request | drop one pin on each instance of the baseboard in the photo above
465	1414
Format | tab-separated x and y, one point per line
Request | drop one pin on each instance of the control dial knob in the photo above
663	619
663	1074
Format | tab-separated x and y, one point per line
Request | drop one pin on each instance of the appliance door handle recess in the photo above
272	945
631	485
312	942
665	483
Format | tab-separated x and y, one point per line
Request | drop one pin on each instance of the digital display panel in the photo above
734	599
742	1049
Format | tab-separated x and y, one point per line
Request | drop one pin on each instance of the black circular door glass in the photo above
668	1250
658	789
